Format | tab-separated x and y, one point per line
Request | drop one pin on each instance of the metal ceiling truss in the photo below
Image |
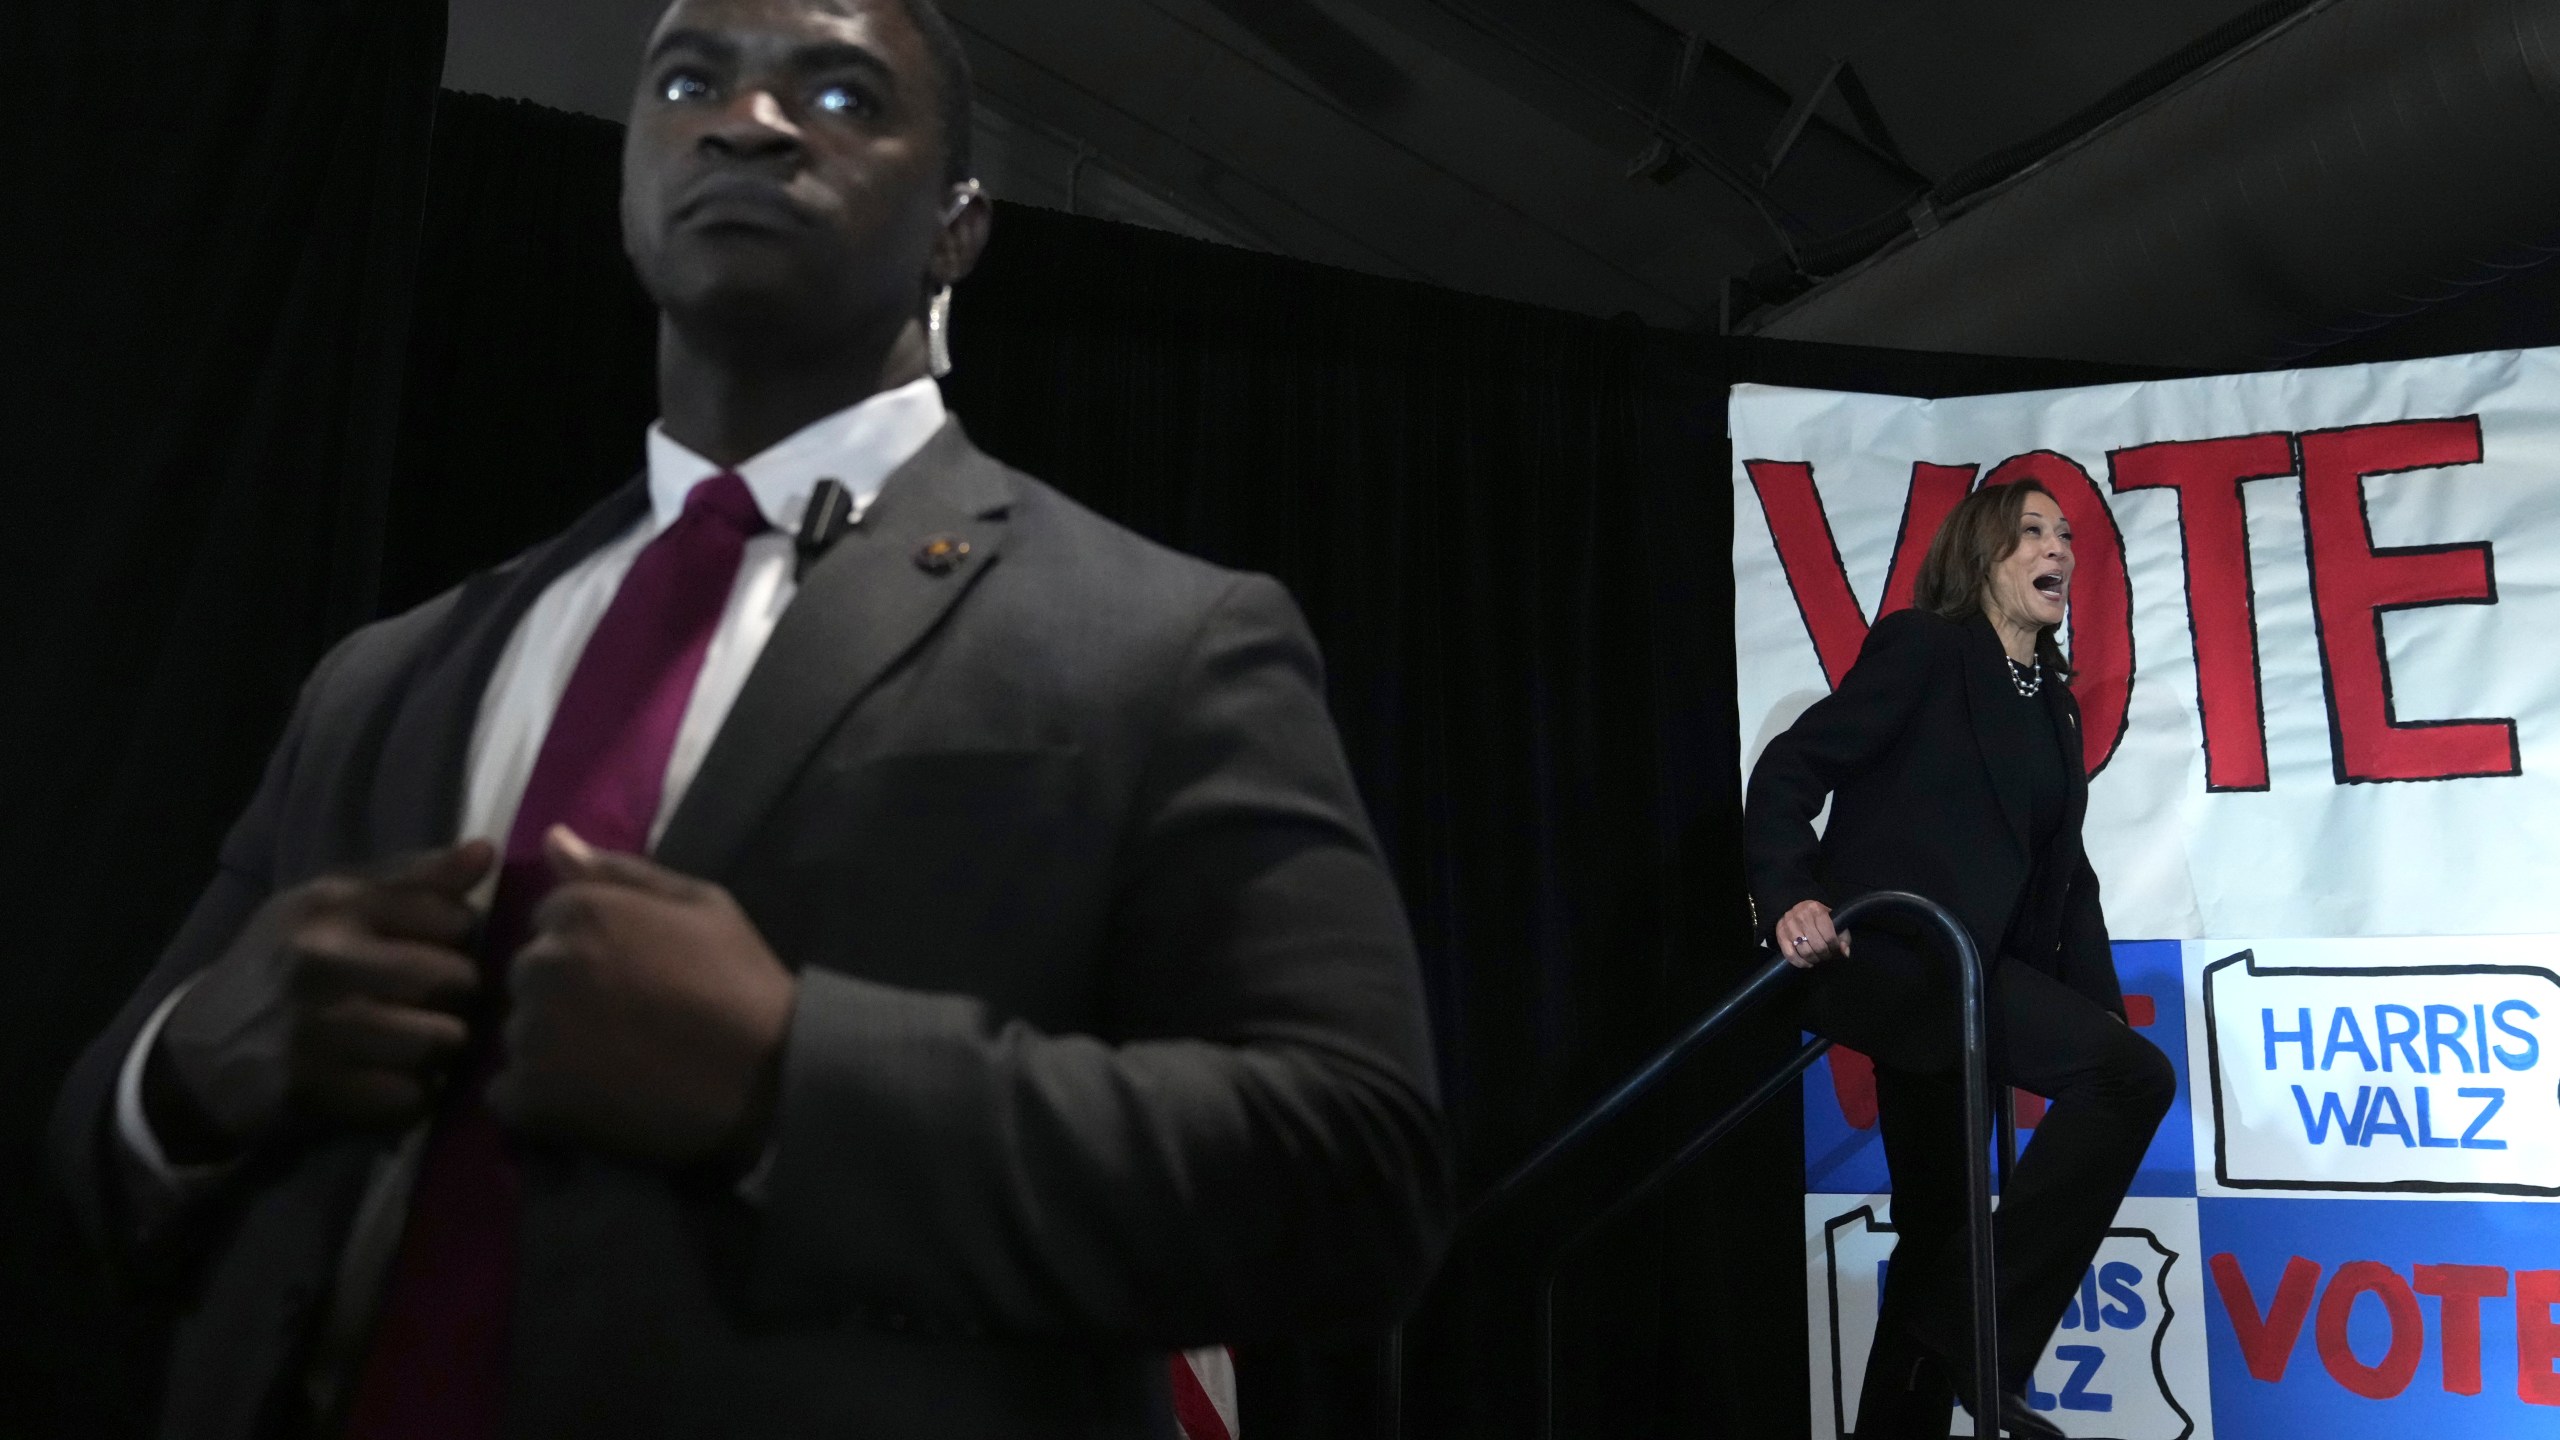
1699	106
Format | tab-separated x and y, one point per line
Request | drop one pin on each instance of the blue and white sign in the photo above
2425	1066
2122	1365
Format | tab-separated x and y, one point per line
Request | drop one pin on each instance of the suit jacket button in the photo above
941	554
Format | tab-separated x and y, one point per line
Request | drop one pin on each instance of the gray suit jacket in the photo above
1109	1036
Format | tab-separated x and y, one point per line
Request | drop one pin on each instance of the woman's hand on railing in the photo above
1805	936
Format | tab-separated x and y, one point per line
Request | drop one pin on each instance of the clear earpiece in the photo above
937	332
937	311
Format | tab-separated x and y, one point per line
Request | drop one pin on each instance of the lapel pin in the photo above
941	554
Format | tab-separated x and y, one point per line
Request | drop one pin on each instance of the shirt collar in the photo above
857	447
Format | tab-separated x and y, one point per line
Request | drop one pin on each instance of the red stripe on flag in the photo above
1198	1419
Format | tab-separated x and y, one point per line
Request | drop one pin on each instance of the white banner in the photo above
2315	619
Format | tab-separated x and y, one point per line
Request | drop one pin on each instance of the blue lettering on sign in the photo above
2345	1034
2441	1040
2121	1282
2426	1135
2367	1120
2275	1037
2471	1138
2350	1127
2085	1360
2123	1308
2531	1054
2389	1035
2398	1124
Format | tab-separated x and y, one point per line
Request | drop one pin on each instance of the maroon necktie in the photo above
437	1366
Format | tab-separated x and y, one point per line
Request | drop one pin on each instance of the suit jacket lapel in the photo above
1999	723
418	780
865	604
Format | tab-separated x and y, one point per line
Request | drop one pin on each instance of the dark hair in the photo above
951	78
1979	533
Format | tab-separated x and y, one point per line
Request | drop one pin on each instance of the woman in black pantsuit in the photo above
1950	755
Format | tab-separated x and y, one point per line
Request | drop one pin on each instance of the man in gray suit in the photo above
689	982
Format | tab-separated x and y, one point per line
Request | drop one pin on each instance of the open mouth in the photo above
2051	584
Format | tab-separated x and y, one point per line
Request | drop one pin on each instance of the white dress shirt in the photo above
857	447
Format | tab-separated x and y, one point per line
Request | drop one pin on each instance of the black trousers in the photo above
2109	1088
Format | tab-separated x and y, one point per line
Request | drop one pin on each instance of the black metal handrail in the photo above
1764	982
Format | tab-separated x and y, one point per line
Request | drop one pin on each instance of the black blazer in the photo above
1901	749
1109	1036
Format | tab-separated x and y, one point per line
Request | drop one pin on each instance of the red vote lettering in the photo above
2408	1331
2354	584
1810	555
2101	618
2266	1344
2461	1288
1811	558
1935	491
2537	1337
2206	476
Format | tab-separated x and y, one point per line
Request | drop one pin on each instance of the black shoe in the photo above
1905	1395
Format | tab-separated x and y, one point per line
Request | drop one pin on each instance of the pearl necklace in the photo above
2028	676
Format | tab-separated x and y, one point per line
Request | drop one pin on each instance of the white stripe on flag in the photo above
1206	1375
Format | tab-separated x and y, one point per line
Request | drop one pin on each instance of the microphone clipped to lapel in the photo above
852	618
830	514
822	524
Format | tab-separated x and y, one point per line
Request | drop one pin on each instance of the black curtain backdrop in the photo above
205	276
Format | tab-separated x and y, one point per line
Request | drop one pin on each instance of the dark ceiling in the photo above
1602	156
